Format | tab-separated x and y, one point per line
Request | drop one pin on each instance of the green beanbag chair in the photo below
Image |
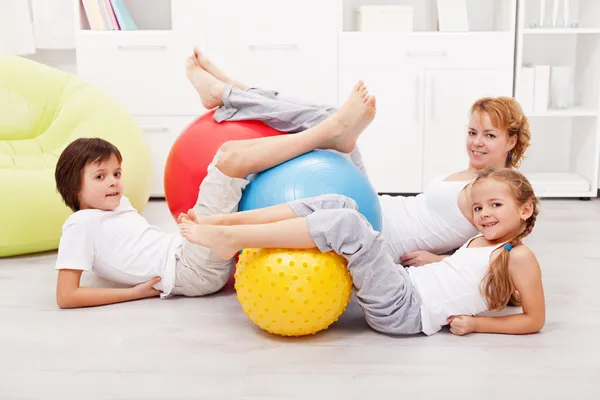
42	110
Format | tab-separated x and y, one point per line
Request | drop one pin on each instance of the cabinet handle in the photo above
432	98
272	46
426	54
417	98
155	129
141	47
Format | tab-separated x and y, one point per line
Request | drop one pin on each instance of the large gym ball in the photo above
195	149
292	292
312	174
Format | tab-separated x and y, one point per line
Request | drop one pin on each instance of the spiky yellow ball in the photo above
292	292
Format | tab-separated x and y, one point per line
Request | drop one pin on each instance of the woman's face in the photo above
486	144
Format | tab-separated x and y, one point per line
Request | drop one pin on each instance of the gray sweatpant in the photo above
284	113
389	300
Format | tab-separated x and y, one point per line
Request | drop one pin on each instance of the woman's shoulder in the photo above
461	176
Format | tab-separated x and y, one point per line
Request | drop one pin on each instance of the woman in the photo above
417	230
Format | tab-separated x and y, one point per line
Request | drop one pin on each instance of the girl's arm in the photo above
526	275
70	295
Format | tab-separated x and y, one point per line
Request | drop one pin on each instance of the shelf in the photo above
559	185
560	31
571	112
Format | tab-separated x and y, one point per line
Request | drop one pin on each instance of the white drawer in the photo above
483	50
279	45
161	132
143	70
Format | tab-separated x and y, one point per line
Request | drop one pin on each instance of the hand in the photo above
461	324
418	258
145	289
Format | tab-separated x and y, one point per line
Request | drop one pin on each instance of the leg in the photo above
338	132
385	293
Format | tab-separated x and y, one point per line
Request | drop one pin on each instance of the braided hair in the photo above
496	285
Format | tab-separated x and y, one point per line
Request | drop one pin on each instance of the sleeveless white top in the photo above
452	286
431	221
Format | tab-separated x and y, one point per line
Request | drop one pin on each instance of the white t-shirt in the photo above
431	221
119	245
452	286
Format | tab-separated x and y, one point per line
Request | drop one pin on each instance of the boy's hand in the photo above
145	289
462	324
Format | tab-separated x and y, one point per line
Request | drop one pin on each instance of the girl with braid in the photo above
490	270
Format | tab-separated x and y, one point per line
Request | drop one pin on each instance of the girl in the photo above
481	275
437	221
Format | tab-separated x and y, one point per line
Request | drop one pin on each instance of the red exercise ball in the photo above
194	150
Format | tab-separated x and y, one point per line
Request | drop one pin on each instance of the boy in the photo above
106	235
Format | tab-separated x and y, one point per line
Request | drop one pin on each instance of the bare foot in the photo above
209	87
215	71
351	119
211	236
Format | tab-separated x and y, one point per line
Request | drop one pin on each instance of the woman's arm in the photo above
70	295
526	275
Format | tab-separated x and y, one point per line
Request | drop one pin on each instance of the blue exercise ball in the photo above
313	174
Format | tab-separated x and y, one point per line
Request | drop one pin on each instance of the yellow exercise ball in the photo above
292	292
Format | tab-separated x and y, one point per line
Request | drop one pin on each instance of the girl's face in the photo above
496	213
486	144
102	187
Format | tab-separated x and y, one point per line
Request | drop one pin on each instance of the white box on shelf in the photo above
452	16
560	87
526	87
384	19
541	87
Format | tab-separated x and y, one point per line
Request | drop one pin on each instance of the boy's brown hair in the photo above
69	168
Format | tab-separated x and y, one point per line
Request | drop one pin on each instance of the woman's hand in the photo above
418	258
461	324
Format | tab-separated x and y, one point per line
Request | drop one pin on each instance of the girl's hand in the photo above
145	289
418	258
461	324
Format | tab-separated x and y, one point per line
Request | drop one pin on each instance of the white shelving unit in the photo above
425	80
563	158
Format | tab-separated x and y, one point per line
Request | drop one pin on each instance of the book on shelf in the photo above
108	15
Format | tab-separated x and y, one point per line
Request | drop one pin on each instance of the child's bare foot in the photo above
211	236
351	119
209	87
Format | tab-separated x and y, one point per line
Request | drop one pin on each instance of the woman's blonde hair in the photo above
496	286
506	114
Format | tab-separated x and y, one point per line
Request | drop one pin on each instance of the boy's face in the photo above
102	187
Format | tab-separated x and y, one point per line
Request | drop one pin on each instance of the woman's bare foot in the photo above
211	236
210	88
351	119
215	71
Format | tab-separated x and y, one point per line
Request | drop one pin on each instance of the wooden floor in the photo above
206	348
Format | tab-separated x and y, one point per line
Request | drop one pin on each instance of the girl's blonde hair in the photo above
506	114
496	286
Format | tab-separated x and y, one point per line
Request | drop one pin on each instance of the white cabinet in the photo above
424	88
279	45
450	94
391	144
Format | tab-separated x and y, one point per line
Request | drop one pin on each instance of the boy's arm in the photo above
526	276
70	295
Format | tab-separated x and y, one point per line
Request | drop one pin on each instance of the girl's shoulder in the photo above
520	259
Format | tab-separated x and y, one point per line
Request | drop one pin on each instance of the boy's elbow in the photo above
65	300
